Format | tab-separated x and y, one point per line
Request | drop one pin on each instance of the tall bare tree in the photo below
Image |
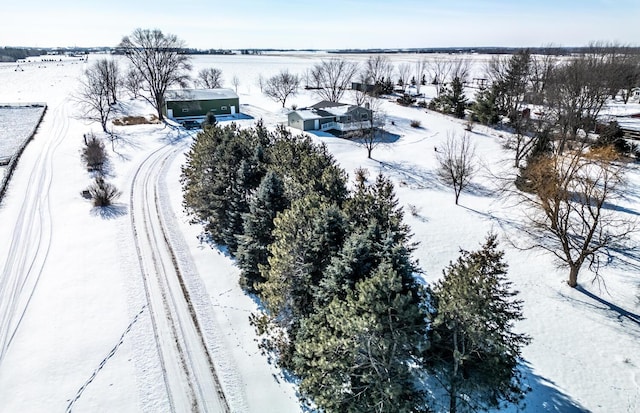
110	73
332	78
95	93
569	207
378	68
235	81
279	87
378	71
456	162
132	82
404	74
440	70
209	78
161	61
460	69
541	68
420	68
371	132
576	92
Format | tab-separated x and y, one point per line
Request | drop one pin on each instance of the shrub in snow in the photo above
103	193
415	124
93	153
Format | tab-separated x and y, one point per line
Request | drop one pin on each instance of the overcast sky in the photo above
323	24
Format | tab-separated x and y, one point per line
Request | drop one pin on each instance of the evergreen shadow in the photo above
545	395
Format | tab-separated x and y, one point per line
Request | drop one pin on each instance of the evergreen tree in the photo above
485	108
238	205
376	204
355	354
306	167
257	234
474	351
612	134
214	193
306	237
458	100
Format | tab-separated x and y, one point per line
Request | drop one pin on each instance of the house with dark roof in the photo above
333	117
195	104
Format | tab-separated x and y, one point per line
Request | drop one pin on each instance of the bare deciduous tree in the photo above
235	81
440	70
420	67
576	92
570	209
360	95
371	133
456	162
281	86
260	81
404	74
378	68
461	70
132	82
332	77
209	78
95	93
160	60
540	70
110	73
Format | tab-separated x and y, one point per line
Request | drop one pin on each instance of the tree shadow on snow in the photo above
112	211
618	312
541	395
545	396
413	175
479	190
618	208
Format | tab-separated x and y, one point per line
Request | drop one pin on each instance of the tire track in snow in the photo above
31	239
189	374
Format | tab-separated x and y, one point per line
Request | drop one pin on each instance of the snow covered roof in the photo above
178	95
327	104
324	109
307	114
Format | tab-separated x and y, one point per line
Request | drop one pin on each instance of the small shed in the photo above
182	104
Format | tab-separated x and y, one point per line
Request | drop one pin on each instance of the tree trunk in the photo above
573	276
453	399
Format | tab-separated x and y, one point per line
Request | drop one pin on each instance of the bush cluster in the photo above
95	157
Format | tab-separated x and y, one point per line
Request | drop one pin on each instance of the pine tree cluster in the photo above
343	310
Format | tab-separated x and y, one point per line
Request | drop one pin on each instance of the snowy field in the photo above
76	332
16	124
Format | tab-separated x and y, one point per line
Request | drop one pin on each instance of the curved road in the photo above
189	374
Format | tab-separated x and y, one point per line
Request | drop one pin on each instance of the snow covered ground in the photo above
77	327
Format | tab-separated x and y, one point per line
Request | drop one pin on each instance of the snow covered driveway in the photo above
189	373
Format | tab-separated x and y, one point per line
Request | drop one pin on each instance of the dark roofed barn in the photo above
185	104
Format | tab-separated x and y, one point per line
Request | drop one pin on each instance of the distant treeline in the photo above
551	50
12	54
